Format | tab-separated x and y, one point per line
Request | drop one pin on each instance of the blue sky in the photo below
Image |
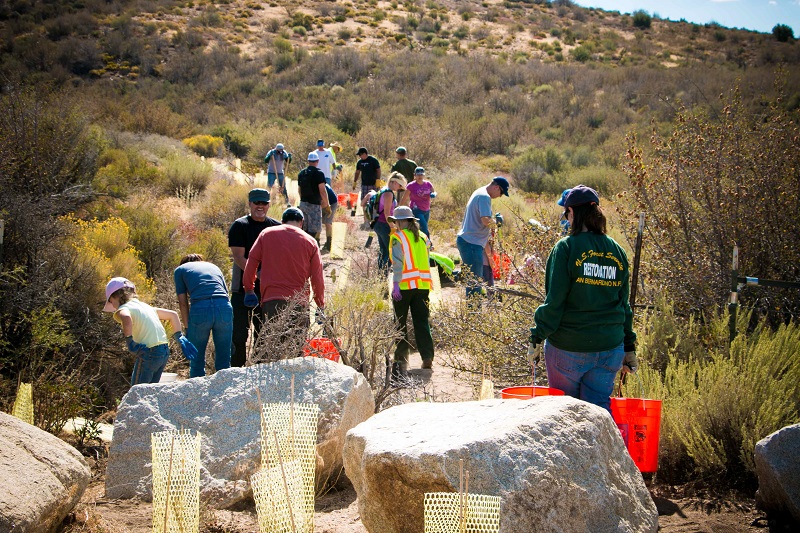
758	15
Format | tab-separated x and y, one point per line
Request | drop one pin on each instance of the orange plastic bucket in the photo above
353	199
528	392
343	199
639	423
321	347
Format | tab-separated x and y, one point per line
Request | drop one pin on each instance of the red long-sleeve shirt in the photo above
289	257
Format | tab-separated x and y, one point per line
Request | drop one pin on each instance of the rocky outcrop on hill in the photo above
224	409
778	469
42	478
559	464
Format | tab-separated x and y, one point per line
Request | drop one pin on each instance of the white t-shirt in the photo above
326	162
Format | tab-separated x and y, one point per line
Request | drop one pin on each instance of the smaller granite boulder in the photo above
224	409
42	478
777	459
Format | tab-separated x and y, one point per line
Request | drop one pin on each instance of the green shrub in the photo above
205	145
782	33
717	403
581	53
183	173
642	19
153	228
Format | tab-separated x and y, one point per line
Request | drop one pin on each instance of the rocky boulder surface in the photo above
224	409
42	477
559	464
777	459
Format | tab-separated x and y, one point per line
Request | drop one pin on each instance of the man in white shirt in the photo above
326	160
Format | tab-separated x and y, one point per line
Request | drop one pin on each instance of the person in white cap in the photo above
411	284
277	160
327	161
145	336
313	196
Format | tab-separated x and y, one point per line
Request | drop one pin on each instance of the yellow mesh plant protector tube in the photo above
275	492
453	512
487	390
338	238
289	435
23	403
176	482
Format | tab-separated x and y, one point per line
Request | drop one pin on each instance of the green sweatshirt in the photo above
586	307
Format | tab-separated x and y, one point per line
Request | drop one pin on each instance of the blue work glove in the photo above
396	296
133	346
188	349
433	194
499	220
320	315
339	167
250	299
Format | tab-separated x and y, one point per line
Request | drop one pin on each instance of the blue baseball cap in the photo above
563	197
581	195
501	182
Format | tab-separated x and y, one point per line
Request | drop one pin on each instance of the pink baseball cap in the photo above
113	286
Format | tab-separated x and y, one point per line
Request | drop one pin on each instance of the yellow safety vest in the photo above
416	270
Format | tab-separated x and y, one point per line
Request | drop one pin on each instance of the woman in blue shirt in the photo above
202	283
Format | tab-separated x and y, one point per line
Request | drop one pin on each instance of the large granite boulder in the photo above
224	409
559	464
42	478
777	459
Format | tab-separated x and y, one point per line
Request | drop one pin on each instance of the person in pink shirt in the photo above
418	197
289	258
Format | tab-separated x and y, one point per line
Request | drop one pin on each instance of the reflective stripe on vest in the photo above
416	270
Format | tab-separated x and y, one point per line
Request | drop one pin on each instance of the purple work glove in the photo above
396	296
188	349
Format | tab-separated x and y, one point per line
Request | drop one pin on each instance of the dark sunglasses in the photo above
260	202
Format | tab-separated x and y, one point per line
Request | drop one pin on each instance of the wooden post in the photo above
637	256
2	232
733	304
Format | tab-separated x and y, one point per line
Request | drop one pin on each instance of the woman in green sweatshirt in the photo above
586	319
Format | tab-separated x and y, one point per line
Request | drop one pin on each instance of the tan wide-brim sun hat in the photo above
402	213
399	179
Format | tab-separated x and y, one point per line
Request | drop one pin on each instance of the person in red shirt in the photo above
289	258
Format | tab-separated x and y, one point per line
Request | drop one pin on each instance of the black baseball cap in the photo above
362	150
292	214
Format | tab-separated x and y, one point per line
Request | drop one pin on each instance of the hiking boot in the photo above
326	247
427	364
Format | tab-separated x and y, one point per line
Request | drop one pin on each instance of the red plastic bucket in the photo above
528	392
353	199
343	199
639	423
321	347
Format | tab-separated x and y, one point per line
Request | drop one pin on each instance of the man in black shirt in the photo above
369	170
241	237
313	196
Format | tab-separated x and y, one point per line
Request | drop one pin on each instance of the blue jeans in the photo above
271	177
382	230
423	217
213	316
149	364
471	259
588	376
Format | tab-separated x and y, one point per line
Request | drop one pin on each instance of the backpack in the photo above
373	209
